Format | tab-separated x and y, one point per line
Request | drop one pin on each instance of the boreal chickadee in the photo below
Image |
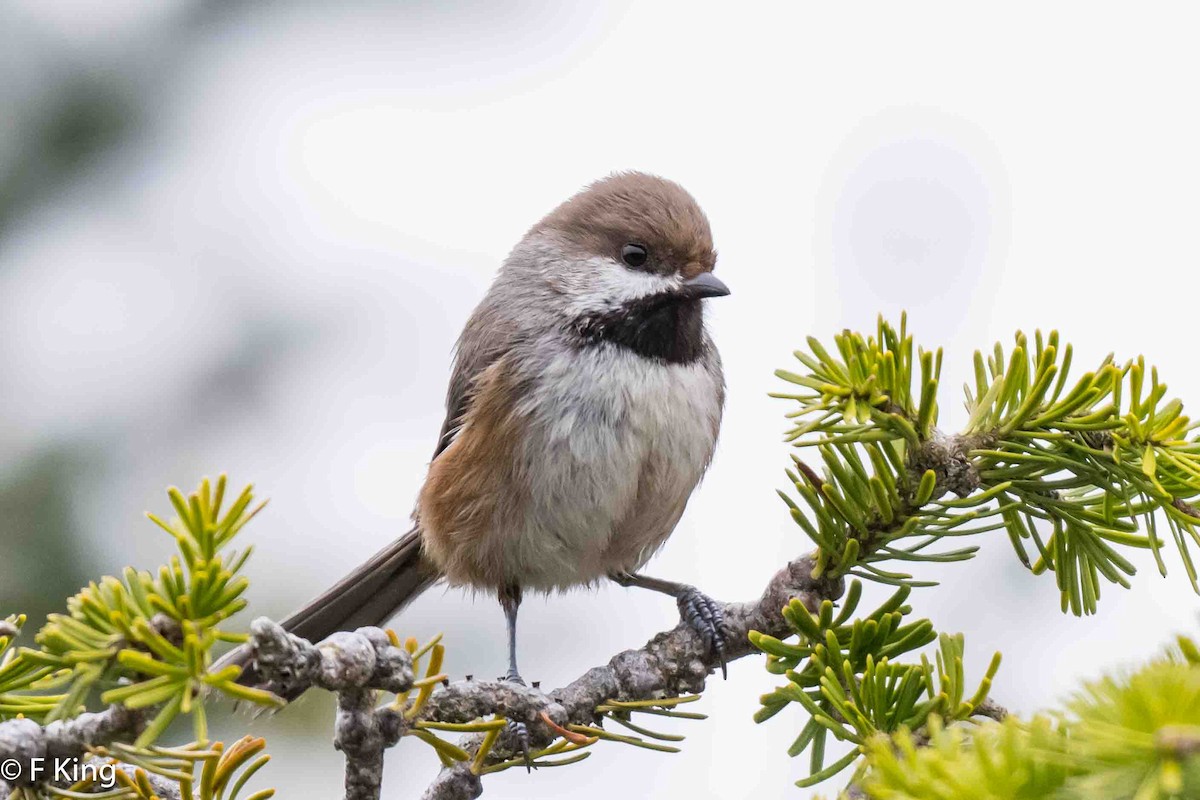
583	409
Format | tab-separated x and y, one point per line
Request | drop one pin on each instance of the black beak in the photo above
703	285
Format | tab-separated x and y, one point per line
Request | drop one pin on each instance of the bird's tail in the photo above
369	595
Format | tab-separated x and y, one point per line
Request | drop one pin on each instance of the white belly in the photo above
617	442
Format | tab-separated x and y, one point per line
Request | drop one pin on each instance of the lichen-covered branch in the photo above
355	665
23	741
454	783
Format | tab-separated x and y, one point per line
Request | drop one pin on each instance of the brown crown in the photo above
633	207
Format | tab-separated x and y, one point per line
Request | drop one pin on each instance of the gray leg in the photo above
703	614
510	601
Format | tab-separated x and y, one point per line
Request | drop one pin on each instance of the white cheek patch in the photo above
607	285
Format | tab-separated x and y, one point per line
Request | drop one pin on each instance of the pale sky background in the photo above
265	273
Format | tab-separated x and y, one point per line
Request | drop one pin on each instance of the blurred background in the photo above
243	237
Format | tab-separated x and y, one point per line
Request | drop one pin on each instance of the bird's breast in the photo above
616	443
570	464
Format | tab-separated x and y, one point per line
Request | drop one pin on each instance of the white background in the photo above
330	188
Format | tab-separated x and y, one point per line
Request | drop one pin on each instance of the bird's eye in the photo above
635	255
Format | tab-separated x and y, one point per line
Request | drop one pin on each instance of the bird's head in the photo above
626	261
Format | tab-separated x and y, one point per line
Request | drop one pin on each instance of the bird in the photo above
583	409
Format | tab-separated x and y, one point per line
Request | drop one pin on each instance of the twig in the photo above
355	665
23	740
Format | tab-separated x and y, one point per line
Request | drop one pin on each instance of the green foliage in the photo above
1094	462
149	636
18	676
1077	469
1139	735
859	517
865	392
621	712
873	501
201	772
1010	760
145	641
844	674
1124	737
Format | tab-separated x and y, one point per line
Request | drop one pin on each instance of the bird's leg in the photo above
510	601
701	612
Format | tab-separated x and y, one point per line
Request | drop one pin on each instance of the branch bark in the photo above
672	663
357	666
22	741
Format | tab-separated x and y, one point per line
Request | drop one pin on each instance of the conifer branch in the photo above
671	664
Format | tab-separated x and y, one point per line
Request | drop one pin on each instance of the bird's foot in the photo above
518	732
706	617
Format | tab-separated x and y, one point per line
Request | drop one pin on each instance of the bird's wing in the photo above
486	337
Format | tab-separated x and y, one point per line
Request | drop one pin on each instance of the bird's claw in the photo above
518	732
706	617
